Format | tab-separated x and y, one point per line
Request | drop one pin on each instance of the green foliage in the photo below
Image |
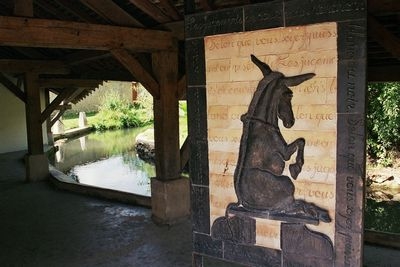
382	216
383	121
117	113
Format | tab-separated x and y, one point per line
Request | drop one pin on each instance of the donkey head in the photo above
280	93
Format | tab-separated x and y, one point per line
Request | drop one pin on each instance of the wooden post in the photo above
166	116
36	161
170	193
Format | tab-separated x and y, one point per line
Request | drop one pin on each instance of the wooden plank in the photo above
166	116
23	8
33	112
134	67
382	239
65	83
40	66
384	37
74	35
150	9
182	88
170	9
55	103
112	12
12	88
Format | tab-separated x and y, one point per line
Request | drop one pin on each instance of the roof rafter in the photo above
23	8
12	87
112	12
384	37
137	70
151	10
55	103
74	35
171	10
39	66
66	83
73	7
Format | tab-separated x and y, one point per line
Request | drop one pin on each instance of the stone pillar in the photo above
82	119
170	200
170	192
36	161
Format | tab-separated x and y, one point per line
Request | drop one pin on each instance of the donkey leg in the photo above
296	167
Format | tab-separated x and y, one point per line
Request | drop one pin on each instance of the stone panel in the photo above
195	62
200	209
350	192
300	12
203	24
263	16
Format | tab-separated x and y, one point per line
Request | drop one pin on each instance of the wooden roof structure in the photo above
79	43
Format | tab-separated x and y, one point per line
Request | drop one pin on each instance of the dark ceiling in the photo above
168	15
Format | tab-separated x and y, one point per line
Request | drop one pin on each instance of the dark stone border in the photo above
351	19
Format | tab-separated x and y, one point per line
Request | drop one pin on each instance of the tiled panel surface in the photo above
231	79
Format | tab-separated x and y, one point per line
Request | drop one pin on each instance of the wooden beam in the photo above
33	112
66	83
23	8
76	93
176	28
384	37
382	239
134	66
185	153
39	66
12	88
75	8
74	35
383	6
152	10
166	116
206	5
55	103
83	56
170	9
112	12
57	117
31	53
182	88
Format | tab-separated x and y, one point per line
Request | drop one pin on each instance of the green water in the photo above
382	216
107	160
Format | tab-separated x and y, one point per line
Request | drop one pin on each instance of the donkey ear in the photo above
265	69
296	80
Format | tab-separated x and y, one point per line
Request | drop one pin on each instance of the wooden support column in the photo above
170	192
36	161
166	116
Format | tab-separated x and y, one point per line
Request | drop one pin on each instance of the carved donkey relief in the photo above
258	180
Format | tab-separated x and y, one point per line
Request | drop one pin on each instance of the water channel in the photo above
107	160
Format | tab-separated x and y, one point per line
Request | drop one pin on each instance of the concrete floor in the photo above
43	226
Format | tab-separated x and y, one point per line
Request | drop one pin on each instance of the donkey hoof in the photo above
294	169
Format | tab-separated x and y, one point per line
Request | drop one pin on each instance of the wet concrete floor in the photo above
43	226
